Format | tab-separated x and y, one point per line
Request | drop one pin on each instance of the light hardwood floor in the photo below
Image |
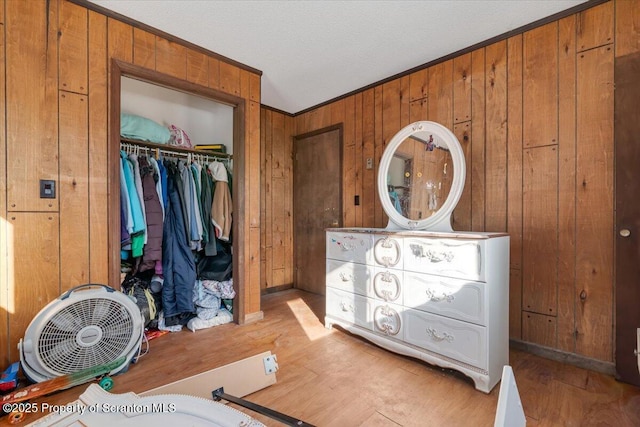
332	378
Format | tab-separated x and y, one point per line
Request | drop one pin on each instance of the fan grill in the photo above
85	334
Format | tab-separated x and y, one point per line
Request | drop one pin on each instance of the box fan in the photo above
88	326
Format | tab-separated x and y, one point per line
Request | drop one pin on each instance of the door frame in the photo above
340	128
118	69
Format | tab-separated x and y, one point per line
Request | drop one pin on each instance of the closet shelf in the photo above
174	149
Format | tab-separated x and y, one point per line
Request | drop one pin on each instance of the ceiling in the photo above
313	51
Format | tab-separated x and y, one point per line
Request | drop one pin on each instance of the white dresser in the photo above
437	296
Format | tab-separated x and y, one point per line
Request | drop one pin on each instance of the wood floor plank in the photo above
332	378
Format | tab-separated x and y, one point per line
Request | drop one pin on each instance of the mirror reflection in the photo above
420	175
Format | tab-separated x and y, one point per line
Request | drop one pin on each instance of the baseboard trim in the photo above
274	289
584	362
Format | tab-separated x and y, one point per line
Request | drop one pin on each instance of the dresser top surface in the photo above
422	233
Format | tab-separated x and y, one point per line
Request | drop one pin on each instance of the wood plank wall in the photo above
276	201
55	101
534	115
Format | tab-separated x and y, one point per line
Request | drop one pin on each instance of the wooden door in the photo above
317	196
627	143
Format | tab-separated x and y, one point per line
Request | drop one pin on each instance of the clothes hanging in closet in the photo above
168	229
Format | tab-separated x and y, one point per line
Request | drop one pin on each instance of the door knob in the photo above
625	232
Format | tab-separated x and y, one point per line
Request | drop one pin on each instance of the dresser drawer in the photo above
445	257
387	320
461	341
349	277
351	308
356	247
387	251
387	285
456	298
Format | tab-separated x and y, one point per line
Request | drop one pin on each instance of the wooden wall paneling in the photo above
419	110
405	108
358	158
320	118
539	329
278	227
595	26
277	194
197	68
567	183
245	84
214	73
419	84
337	111
120	40
252	293
171	58
74	189
144	49
31	73
477	158
540	83
380	219
73	48
98	119
514	182
627	27
369	195
252	206
229	78
119	46
540	230
5	240
252	159
496	137
461	219
255	82
594	207
35	283
302	122
349	166
514	150
277	145
441	93
391	122
515	304
289	127
266	122
462	88
263	214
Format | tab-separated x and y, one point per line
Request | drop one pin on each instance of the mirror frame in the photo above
441	219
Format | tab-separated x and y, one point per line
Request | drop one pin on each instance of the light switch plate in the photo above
369	163
47	189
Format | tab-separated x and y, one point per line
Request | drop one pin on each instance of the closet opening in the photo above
213	118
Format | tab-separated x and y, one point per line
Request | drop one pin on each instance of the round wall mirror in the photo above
421	177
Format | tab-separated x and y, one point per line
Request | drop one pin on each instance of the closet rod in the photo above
151	148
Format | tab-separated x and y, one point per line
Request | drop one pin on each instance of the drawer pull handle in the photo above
432	255
434	335
387	320
347	307
431	294
348	247
347	278
382	290
385	258
435	256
